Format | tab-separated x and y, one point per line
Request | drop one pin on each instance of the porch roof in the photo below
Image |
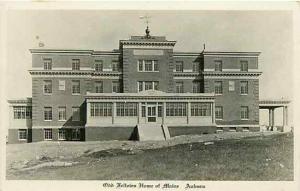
151	94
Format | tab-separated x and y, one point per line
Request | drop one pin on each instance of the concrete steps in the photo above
152	132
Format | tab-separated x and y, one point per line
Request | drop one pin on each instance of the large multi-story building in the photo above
143	90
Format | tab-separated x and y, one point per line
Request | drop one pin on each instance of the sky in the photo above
268	32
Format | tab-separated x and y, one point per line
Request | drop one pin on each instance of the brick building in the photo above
143	90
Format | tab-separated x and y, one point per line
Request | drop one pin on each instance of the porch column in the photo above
271	118
139	112
114	111
164	113
188	112
213	112
88	111
285	115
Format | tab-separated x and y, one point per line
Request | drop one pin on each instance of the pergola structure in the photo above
271	105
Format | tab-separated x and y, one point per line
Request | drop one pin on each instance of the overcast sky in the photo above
269	32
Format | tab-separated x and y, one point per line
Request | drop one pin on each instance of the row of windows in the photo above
47	88
179	66
22	112
179	87
62	113
243	65
218	87
244	112
147	85
115	65
130	109
145	65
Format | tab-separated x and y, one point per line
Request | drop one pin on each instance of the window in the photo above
244	66
98	65
143	111
196	87
218	65
75	87
219	112
115	66
22	134
200	109
61	134
101	109
47	134
148	65
231	86
244	87
176	109
159	111
62	114
116	87
22	112
61	85
47	87
196	67
126	109
47	63
179	87
149	85
218	87
244	112
76	114
179	66
47	113
99	87
75	64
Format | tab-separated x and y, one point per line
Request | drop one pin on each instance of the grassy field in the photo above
256	158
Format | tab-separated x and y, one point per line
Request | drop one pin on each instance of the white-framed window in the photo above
62	113
218	65
231	86
62	85
200	109
99	86
61	134
47	134
244	66
219	112
75	113
116	87
244	112
48	113
218	87
147	85
196	67
75	64
22	112
179	66
115	65
75	86
22	134
47	63
196	87
101	109
126	109
98	65
244	87
47	87
147	66
176	109
179	87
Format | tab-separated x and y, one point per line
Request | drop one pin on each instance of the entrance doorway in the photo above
151	113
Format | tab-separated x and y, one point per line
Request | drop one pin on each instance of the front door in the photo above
151	113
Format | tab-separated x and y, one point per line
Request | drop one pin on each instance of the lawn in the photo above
255	158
